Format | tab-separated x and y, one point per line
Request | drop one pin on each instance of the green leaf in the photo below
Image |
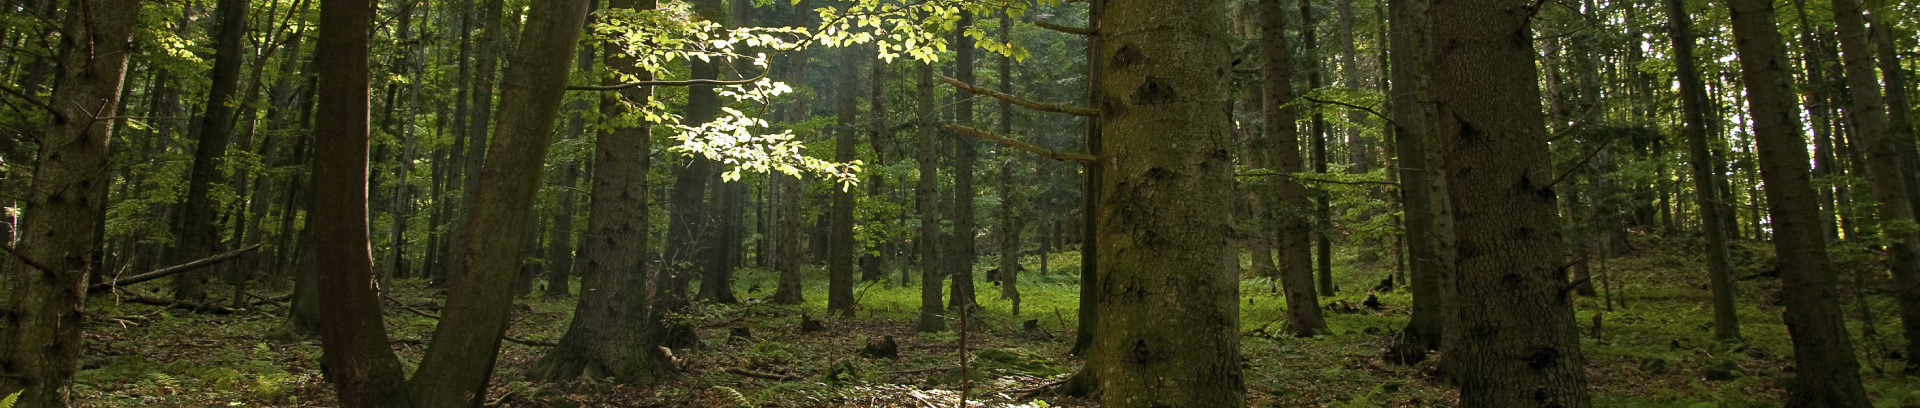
11	399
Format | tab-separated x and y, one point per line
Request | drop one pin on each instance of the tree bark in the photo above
1519	346
40	341
1168	334
787	240
1825	373
1010	197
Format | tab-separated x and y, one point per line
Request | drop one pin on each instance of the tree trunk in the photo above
1009	189
40	342
1693	101
1322	221
1296	262
932	314
689	231
1826	374
1885	172
199	236
359	361
1169	329
787	239
1422	182
460	360
841	246
960	256
560	255
1520	347
611	334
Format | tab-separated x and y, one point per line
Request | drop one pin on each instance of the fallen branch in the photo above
761	375
171	270
1010	142
149	300
970	88
917	371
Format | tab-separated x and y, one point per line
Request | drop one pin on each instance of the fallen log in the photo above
171	270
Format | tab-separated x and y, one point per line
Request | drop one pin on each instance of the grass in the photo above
1656	350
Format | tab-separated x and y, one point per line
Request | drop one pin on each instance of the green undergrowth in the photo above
1654	347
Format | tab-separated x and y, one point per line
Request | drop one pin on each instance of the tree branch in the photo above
1316	180
1066	29
1368	110
1009	142
23	259
1576	165
171	270
689	82
970	88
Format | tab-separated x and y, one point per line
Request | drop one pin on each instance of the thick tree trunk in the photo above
1296	261
466	342
1693	101
1825	373
359	362
1520	347
199	236
787	239
611	334
1169	329
841	246
40	341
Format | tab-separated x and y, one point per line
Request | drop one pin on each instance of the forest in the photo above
959	203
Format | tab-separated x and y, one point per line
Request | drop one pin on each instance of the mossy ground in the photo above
1655	350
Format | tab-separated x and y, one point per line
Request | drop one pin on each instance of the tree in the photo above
932	314
1693	103
460	359
1296	264
1168	334
1890	179
1423	184
960	253
841	246
40	343
611	334
1825	373
1518	345
216	130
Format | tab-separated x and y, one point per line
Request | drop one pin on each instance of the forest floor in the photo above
1653	349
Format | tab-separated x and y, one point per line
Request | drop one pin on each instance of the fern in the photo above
10	399
738	398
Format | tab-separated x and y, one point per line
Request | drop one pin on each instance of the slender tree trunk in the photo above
787	235
1886	150
873	260
840	246
926	198
198	238
560	256
1009	188
688	231
1087	381
1296	273
1422	182
40	342
1322	221
460	360
1693	101
1521	348
961	255
1826	374
1169	333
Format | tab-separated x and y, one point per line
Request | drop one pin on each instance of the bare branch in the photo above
1264	173
1009	142
970	88
23	259
171	270
1066	29
1368	110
